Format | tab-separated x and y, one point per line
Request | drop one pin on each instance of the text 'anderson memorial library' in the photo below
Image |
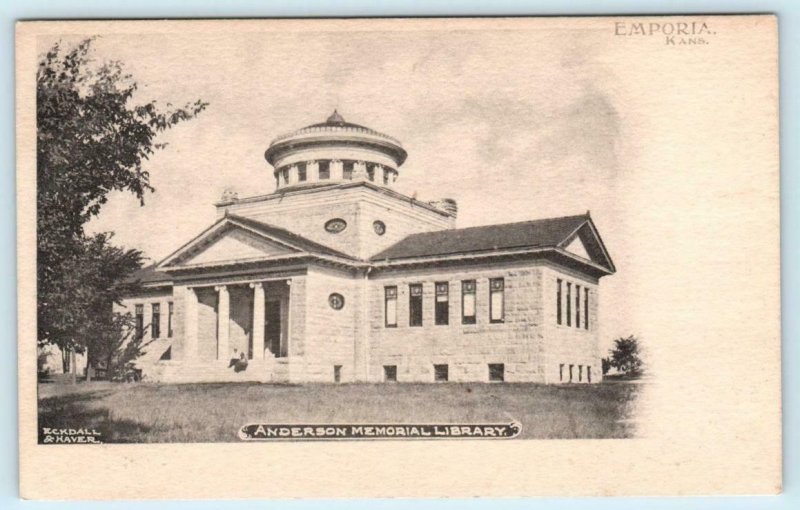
336	277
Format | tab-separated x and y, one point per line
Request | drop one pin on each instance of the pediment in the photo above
228	242
585	243
576	247
236	244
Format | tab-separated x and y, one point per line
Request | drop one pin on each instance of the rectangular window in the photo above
570	372
589	374
390	373
139	321
468	302
558	301
170	313
496	300
442	306
569	304
586	308
347	169
415	304
155	325
324	170
390	307
561	372
440	373
580	373
497	372
337	373
578	306
301	172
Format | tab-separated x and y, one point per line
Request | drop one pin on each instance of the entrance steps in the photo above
196	371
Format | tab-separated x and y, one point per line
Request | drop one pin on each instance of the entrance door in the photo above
272	327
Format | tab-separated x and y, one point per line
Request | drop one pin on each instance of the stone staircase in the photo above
196	371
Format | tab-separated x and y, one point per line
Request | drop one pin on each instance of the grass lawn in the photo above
142	412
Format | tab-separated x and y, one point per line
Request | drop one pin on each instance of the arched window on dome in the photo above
324	170
347	169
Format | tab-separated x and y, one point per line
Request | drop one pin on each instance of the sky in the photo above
514	124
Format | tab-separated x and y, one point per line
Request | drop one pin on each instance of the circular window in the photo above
335	225
379	227
336	301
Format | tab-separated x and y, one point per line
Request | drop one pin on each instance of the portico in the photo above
224	320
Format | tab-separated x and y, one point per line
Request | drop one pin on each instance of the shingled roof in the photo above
544	233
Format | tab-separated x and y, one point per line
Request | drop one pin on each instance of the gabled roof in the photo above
297	244
553	233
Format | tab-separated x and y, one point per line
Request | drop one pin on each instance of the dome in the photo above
335	151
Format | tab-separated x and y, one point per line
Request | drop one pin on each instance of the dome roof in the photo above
336	131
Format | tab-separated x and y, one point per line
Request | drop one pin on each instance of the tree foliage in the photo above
92	139
626	356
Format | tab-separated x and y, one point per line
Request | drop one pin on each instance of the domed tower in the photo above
333	152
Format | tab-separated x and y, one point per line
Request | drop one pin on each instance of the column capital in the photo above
256	285
221	288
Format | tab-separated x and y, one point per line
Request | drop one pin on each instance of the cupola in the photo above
333	152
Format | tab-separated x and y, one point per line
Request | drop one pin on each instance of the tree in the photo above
605	364
92	138
625	356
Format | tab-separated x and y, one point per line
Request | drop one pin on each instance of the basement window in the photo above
497	372
390	373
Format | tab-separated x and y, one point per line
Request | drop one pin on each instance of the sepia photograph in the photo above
455	233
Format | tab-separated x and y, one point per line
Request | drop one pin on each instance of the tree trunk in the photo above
88	366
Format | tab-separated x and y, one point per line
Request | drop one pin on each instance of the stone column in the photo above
190	324
223	321
337	170
292	174
258	319
360	171
379	175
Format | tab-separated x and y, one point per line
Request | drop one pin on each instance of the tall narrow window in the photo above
139	321
285	173
577	306
586	309
385	176
301	172
324	170
468	302
569	304
570	372
155	325
415	304
390	307
442	306
347	169
496	300
588	374
390	373
558	300
337	373
561	372
580	373
170	313
371	172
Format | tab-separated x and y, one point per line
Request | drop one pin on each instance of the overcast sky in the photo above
513	124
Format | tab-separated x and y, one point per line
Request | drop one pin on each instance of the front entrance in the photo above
273	330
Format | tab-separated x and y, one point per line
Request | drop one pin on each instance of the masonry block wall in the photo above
360	206
567	344
517	342
329	334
